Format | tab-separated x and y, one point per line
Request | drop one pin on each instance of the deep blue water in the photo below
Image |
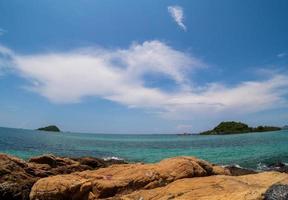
247	150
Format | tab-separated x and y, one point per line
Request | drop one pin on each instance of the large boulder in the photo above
48	159
121	179
15	182
247	187
18	176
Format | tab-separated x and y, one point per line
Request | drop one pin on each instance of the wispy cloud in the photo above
118	75
6	56
177	14
281	55
2	31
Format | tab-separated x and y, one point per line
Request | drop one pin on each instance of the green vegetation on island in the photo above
51	128
237	127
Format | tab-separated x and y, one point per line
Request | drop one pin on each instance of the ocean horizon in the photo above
249	150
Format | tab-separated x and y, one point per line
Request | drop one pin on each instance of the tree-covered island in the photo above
232	127
51	128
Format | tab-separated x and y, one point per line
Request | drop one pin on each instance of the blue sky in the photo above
143	66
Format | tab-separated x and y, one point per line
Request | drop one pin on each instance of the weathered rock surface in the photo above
117	180
247	187
18	176
238	171
56	178
15	182
277	192
278	166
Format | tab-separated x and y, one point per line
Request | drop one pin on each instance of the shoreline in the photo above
25	176
260	166
222	150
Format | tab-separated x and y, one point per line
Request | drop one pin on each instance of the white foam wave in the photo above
112	158
233	165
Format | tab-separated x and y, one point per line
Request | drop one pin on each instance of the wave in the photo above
275	166
233	165
112	158
260	167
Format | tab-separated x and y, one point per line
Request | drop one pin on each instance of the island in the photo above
51	128
232	127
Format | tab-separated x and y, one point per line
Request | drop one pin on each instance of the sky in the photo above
143	66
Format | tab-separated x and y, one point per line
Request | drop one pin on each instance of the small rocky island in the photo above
232	127
51	128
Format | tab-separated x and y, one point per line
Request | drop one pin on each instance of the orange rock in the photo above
248	187
121	179
18	176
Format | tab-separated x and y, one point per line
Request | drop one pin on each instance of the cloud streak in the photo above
6	56
282	55
119	75
177	14
2	31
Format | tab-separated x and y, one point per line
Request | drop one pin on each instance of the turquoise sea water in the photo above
247	150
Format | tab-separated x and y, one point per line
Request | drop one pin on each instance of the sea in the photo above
250	150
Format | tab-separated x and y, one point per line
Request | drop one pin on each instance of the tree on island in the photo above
233	127
51	128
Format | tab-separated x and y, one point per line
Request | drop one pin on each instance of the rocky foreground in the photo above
18	176
53	178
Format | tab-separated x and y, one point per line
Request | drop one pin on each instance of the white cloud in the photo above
281	55
5	57
177	14
2	31
118	75
4	51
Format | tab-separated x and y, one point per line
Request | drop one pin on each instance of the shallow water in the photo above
247	150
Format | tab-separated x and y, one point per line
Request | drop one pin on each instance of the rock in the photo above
96	162
182	178
120	179
247	187
278	166
45	159
16	190
220	170
239	171
18	176
277	192
15	182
